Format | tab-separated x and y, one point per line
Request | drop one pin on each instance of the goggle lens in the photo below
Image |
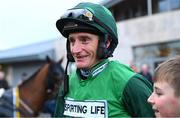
82	14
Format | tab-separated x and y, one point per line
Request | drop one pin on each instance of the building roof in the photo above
31	52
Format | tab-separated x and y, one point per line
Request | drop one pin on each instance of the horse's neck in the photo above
34	92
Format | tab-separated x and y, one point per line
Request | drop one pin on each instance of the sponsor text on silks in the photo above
86	109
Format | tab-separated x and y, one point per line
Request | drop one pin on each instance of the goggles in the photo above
85	15
82	14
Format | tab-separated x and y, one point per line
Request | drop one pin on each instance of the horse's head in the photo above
40	86
55	76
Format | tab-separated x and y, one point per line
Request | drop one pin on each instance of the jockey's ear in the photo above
48	59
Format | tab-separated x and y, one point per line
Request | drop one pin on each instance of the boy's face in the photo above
84	49
163	100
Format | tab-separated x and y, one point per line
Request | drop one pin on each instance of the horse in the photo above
28	98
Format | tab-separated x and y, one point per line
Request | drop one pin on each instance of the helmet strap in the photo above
103	51
69	55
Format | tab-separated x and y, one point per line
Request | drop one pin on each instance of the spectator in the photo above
133	66
145	72
3	82
165	99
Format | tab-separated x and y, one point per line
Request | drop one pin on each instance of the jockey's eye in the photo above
71	41
85	40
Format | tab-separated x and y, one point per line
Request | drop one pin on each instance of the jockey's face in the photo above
84	49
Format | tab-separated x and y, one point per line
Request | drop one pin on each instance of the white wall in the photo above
157	28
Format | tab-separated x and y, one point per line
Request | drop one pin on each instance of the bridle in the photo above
20	102
26	107
52	78
14	103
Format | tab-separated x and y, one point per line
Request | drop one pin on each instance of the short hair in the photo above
169	71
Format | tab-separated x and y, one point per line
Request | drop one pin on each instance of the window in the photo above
167	5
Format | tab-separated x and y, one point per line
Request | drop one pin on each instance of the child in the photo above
165	99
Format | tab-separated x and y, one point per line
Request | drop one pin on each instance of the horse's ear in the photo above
61	60
48	59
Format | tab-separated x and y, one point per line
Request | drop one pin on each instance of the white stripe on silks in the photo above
99	69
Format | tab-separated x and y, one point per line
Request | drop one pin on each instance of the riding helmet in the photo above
92	18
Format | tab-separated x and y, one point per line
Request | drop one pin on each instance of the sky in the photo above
24	22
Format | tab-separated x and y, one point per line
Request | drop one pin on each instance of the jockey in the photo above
98	87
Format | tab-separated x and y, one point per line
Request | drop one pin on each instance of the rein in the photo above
17	102
27	108
22	105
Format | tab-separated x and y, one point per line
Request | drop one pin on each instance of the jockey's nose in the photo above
76	47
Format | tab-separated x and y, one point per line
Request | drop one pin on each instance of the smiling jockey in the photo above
99	87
